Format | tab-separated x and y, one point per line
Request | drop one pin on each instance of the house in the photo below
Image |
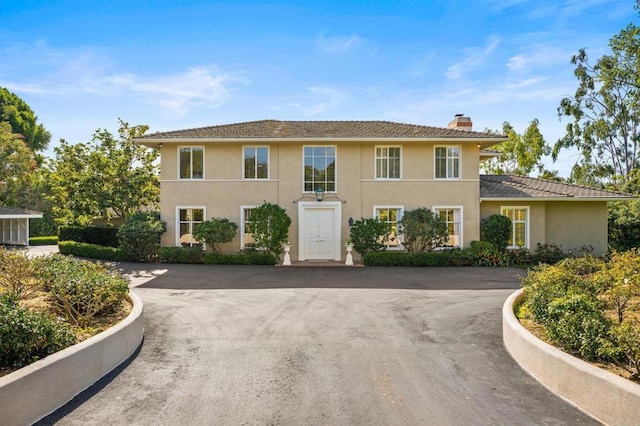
14	225
361	169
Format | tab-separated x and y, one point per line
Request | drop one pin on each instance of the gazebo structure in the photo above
14	225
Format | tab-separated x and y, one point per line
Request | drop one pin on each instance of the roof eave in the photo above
21	216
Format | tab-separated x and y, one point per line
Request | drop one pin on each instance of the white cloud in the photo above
473	58
318	100
538	56
339	44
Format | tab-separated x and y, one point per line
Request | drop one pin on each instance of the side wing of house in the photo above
14	225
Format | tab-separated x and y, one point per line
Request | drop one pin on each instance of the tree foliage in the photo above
521	153
270	228
496	229
139	236
369	235
605	112
215	231
423	230
23	120
16	164
106	178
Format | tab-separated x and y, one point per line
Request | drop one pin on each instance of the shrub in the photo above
99	235
543	285
369	235
215	231
192	254
91	251
27	336
620	280
17	275
240	259
270	228
496	229
485	253
626	350
423	230
82	289
548	253
139	236
43	241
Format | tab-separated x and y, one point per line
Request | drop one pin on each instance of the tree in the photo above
270	228
605	111
520	154
23	121
105	178
215	231
16	163
496	229
139	236
369	235
423	230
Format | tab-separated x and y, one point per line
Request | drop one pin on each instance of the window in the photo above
256	162
191	159
519	225
246	232
447	162
453	218
187	219
387	162
391	216
319	168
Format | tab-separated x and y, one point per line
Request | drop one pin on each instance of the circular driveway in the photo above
332	346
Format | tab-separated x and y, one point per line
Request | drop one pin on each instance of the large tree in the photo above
16	163
605	112
23	120
521	153
106	178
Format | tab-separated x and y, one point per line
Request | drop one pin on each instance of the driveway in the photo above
236	345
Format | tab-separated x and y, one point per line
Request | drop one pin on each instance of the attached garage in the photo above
14	225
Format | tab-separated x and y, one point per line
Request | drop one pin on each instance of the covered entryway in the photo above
319	227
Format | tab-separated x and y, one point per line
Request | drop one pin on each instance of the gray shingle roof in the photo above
513	187
318	129
14	211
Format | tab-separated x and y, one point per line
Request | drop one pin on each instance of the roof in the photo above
513	187
318	129
9	212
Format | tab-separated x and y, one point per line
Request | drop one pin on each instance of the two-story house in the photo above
328	173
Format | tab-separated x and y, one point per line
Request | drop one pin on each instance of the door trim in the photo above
336	206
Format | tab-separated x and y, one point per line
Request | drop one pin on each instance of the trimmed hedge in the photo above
239	259
43	241
180	254
452	257
99	235
92	251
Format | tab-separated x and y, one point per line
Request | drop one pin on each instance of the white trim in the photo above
177	222
20	216
527	227
219	180
563	199
452	207
303	206
398	219
244	178
191	160
375	163
335	167
482	140
435	147
242	209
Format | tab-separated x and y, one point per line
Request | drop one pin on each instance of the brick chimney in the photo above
460	122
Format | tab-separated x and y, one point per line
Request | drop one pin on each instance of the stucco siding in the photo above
573	225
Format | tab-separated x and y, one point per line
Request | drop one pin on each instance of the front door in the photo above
319	233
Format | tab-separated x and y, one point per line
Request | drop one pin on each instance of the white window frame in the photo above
436	209
242	224
513	226
255	147
376	158
335	150
399	217
204	217
191	160
435	162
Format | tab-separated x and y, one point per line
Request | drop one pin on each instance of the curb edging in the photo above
31	393
604	396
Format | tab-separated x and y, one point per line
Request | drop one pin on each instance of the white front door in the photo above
319	232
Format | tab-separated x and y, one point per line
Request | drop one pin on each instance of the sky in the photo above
81	65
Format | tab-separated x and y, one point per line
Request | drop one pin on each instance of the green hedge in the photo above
451	257
93	251
180	254
99	235
239	259
43	241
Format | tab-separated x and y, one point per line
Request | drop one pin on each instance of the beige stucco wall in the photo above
569	224
223	192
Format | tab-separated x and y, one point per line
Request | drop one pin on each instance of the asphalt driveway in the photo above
332	346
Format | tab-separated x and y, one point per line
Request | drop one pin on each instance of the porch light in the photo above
319	193
350	221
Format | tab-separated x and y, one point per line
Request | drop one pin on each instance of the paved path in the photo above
366	346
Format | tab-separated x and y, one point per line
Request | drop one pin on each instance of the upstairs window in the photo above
447	162
256	162
387	162
191	162
320	168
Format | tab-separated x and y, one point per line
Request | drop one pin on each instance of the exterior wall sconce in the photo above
319	193
350	222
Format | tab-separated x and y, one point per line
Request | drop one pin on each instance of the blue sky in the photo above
180	64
